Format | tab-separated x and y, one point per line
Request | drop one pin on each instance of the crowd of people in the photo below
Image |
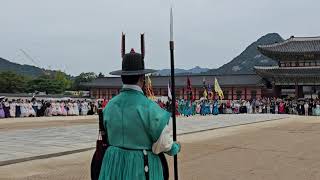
15	108
41	107
307	107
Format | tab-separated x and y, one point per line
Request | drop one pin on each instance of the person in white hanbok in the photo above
13	109
249	107
58	108
53	108
70	109
84	108
76	108
31	111
276	108
24	109
306	108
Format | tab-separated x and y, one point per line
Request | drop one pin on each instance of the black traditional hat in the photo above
132	63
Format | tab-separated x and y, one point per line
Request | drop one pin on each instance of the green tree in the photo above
46	84
11	82
83	78
63	79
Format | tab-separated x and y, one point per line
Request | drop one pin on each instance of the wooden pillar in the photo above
297	90
245	93
232	93
183	93
276	91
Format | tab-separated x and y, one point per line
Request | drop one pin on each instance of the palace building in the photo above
244	86
297	75
298	70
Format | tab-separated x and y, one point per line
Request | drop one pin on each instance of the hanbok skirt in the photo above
63	111
18	111
6	111
24	112
2	115
317	111
121	164
76	111
215	110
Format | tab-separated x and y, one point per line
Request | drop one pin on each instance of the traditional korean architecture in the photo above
298	71
296	75
245	86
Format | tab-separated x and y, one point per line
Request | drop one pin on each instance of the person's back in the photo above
130	117
137	128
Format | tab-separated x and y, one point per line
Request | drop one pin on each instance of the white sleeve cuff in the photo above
165	141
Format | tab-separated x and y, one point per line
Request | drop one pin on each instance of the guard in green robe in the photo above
138	129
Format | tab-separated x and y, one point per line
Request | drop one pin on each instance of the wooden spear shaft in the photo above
173	103
173	107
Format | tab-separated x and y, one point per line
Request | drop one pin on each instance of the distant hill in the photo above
195	70
28	70
250	57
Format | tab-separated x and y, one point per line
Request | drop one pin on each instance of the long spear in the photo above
173	103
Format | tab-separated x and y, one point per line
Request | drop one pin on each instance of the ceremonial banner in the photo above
217	88
210	93
149	89
169	91
205	92
189	90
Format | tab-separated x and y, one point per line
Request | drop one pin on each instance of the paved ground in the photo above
33	137
287	149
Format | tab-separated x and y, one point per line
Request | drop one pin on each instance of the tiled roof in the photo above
294	45
288	71
181	81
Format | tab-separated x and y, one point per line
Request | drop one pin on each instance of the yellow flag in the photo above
217	88
205	94
149	90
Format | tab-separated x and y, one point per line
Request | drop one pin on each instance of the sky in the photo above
84	35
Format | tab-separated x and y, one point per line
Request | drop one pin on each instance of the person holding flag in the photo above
205	93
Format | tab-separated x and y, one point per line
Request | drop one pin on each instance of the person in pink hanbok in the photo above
63	109
198	108
2	115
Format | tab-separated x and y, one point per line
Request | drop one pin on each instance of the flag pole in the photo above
173	103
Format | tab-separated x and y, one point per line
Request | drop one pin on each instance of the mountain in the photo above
195	70
250	57
28	70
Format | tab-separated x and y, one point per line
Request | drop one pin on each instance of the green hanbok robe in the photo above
133	123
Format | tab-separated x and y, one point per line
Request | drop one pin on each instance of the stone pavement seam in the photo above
45	156
210	129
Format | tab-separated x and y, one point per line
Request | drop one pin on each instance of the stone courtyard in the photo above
255	146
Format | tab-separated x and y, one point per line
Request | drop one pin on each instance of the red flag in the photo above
189	89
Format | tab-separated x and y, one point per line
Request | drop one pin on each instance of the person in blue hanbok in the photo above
180	107
207	108
188	108
194	108
215	108
317	110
